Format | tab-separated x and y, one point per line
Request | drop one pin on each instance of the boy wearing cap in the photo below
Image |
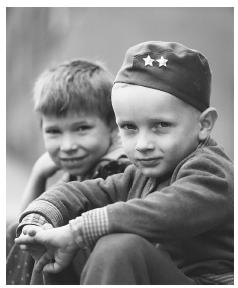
168	219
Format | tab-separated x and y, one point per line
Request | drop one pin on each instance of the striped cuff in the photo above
95	224
90	226
51	213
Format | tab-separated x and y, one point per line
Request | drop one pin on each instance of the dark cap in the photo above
170	67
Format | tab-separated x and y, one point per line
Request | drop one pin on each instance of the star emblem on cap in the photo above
148	60
162	61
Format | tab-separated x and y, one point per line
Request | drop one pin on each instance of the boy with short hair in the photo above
168	219
73	101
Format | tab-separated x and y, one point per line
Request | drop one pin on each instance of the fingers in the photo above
43	260
47	226
53	267
28	235
24	239
46	264
32	248
24	247
35	251
31	234
30	230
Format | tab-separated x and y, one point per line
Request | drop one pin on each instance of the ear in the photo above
207	120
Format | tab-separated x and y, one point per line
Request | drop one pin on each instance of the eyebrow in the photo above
81	122
152	119
121	122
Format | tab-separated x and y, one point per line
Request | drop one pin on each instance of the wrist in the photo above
75	227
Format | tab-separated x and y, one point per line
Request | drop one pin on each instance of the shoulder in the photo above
213	155
208	160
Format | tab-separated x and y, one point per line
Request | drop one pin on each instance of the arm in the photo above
201	187
186	208
68	200
43	169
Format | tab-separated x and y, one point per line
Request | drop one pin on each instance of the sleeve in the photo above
31	219
69	200
89	227
199	199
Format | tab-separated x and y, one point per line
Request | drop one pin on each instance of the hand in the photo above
43	169
36	250
59	245
45	166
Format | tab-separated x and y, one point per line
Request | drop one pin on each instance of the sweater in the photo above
190	214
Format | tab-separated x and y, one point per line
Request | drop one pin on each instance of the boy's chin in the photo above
151	172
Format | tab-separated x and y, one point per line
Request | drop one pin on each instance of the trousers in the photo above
122	259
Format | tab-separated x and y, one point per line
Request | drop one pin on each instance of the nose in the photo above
144	142
68	143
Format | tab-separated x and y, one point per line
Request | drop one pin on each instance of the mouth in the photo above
72	161
149	162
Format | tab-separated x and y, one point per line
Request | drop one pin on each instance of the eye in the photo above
130	127
163	124
83	128
160	126
52	131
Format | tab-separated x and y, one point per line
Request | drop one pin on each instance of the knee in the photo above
113	255
119	245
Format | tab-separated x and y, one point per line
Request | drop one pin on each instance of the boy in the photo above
73	100
78	124
168	219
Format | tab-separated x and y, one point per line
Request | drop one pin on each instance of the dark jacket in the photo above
189	214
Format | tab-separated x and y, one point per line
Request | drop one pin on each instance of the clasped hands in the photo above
52	248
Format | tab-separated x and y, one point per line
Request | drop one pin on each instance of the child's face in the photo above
76	142
158	130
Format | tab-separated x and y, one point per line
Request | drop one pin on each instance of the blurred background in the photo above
40	37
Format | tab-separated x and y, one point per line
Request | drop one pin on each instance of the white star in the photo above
148	60
162	61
